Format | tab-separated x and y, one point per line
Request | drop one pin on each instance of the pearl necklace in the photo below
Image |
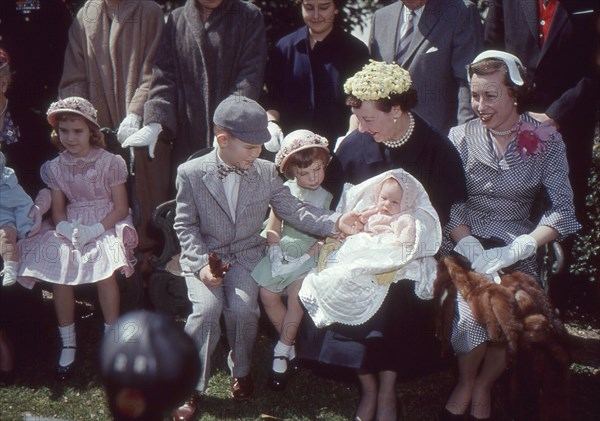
403	139
506	132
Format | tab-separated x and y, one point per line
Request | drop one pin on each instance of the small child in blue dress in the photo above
15	220
302	158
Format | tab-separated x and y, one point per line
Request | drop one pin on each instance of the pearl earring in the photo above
515	103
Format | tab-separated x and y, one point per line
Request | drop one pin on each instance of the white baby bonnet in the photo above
346	291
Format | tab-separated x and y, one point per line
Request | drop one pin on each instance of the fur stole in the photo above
516	312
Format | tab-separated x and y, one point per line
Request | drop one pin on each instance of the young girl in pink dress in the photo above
94	234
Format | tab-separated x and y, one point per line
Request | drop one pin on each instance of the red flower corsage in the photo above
532	140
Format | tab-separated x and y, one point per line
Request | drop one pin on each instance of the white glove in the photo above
83	234
146	136
276	258
469	247
493	260
274	144
130	124
66	229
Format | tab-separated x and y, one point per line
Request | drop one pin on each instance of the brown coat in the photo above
111	64
200	63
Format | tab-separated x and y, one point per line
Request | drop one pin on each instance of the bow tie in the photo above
224	170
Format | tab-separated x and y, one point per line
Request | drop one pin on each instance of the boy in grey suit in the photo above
222	201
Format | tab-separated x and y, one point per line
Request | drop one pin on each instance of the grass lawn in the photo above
311	395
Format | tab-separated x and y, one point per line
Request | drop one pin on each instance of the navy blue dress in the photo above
306	85
400	336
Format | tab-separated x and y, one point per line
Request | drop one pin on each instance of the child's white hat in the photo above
297	141
75	105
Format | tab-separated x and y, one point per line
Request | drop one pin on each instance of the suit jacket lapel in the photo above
123	18
478	144
214	184
247	191
558	21
195	23
394	19
429	19
530	12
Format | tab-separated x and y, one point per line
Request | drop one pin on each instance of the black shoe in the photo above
65	372
278	381
293	366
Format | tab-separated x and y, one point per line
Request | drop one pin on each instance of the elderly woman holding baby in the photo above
397	340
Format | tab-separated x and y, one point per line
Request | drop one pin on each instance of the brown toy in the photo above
215	264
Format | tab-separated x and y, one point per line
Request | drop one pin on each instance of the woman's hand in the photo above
493	260
542	117
469	247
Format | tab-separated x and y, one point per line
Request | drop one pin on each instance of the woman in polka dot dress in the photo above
509	159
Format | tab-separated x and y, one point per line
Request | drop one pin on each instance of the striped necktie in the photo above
406	38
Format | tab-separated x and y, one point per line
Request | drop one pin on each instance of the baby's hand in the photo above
209	279
366	214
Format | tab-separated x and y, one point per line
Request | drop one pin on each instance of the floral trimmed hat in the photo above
297	141
75	105
378	80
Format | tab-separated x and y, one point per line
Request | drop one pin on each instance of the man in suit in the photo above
556	41
222	201
445	36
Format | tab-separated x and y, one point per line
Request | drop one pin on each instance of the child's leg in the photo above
10	254
241	314
286	321
108	295
274	307
64	305
8	244
293	315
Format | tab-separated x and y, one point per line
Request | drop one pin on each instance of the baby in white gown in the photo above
401	235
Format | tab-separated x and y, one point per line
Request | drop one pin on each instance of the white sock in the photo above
67	337
108	329
10	273
281	350
292	353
